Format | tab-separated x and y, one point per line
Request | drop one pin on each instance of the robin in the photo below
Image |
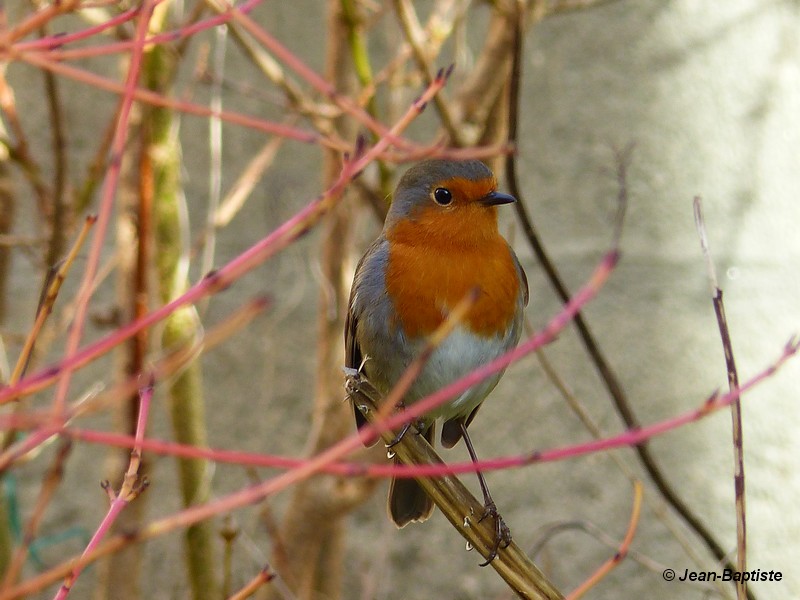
440	241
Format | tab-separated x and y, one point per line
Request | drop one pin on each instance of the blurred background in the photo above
703	95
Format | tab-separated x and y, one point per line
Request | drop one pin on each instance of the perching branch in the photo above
457	504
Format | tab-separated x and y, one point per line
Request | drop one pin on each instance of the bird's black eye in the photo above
442	196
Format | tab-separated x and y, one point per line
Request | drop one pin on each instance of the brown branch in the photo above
58	217
479	95
264	576
49	486
458	505
309	552
7	215
19	152
414	35
300	102
567	6
50	290
736	407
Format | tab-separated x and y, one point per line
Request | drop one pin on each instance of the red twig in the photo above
327	461
131	487
57	42
321	84
41	425
627	438
615	560
104	213
52	42
261	251
43	61
263	577
36	21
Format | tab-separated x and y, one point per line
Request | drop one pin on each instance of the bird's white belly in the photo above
459	354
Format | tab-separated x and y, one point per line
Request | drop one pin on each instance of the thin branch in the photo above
96	167
299	100
414	35
264	576
215	151
161	369
240	191
679	533
47	491
585	334
622	552
104	215
50	292
36	21
549	531
736	407
560	7
19	151
58	217
53	44
156	99
131	487
318	82
627	438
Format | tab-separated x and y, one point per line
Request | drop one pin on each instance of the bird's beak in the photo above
495	198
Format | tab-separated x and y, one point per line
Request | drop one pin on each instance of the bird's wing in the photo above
353	355
523	278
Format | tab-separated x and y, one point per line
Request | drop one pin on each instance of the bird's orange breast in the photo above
435	260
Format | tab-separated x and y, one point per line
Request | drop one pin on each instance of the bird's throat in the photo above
442	274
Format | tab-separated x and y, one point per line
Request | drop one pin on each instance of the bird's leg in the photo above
502	534
356	382
396	439
418	424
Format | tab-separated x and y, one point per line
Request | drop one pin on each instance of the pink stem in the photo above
123	498
104	214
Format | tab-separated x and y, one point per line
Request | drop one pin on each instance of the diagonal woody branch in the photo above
458	505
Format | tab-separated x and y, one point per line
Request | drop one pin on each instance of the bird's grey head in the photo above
415	189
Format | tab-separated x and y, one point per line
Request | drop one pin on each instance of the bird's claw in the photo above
396	439
502	534
416	423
